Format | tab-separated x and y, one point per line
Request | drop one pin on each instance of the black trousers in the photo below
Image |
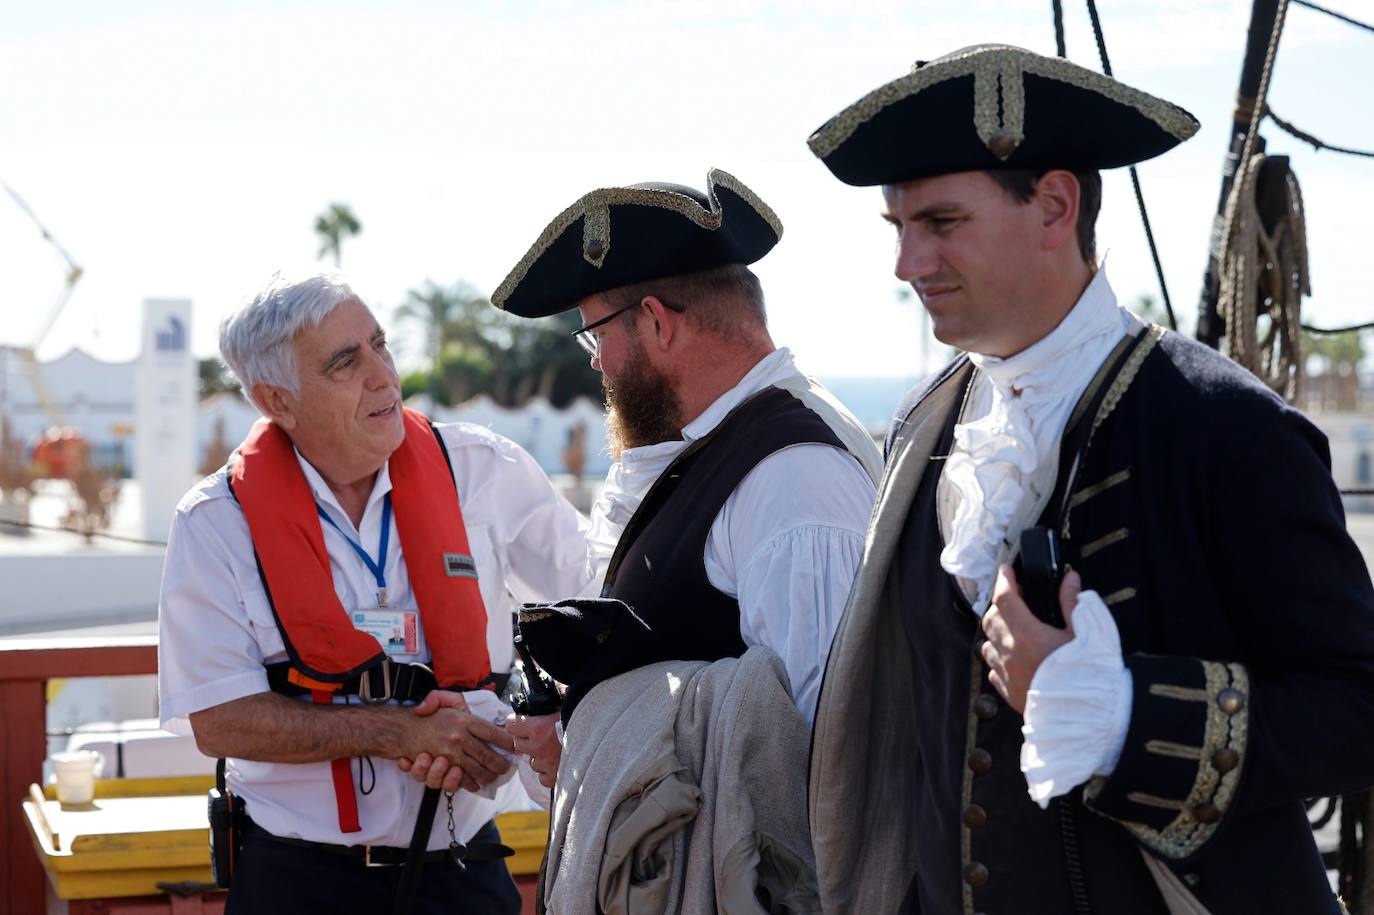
272	877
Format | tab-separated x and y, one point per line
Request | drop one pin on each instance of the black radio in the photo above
228	823
1039	570
540	695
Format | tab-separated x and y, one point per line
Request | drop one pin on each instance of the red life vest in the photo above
324	647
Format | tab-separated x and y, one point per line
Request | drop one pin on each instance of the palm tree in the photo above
334	225
431	307
449	315
477	348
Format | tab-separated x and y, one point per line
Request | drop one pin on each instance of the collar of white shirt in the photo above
631	476
1041	371
771	369
324	495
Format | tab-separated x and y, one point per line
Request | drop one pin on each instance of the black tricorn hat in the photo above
582	641
996	107
616	236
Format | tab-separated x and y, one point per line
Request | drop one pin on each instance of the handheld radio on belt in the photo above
226	829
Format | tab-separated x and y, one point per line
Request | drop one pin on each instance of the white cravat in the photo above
1078	707
1013	423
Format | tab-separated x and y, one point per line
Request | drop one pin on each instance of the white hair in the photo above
255	339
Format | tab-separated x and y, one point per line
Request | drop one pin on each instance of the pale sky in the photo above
183	150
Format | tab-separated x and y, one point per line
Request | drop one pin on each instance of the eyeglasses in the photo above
592	342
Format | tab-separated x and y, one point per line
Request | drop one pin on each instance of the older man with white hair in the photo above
350	558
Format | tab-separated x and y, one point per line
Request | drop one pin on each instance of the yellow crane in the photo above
26	354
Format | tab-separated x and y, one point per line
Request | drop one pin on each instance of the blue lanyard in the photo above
378	568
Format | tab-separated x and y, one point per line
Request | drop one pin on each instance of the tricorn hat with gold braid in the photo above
616	236
994	107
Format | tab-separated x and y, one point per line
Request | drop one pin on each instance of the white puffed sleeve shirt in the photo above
787	542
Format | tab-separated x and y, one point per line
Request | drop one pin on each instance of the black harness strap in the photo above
419	842
402	682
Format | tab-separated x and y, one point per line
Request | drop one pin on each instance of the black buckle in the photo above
404	689
365	688
368	862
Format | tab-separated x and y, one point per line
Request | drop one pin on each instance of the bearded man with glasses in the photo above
735	513
675	322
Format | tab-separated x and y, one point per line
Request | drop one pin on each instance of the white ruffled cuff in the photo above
1078	708
529	780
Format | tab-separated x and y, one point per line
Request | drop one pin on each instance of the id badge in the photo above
395	629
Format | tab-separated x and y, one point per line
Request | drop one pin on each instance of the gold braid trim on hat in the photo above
995	67
534	616
1000	133
716	178
594	209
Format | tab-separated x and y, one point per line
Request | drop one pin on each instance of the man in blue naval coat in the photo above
1218	661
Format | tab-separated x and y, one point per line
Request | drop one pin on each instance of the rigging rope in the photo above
1258	267
1264	273
1368	325
1059	28
1135	177
1341	16
1317	143
25	525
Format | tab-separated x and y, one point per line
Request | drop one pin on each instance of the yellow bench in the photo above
142	831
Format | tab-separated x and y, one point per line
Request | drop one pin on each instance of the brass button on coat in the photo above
975	874
1230	700
975	817
985	706
1225	760
1207	813
980	761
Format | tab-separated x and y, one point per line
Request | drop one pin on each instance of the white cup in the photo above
76	771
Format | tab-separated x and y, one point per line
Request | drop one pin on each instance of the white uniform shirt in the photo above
1078	707
216	628
787	542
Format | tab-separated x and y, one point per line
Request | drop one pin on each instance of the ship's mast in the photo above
1210	326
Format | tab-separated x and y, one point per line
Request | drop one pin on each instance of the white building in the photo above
76	390
97	399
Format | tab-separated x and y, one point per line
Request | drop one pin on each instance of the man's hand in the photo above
450	745
1018	642
537	738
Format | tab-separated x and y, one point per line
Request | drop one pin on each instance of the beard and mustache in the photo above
642	408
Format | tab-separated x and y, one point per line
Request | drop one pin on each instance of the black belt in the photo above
390	856
380	683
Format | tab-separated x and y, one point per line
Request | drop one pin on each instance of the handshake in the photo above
471	740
